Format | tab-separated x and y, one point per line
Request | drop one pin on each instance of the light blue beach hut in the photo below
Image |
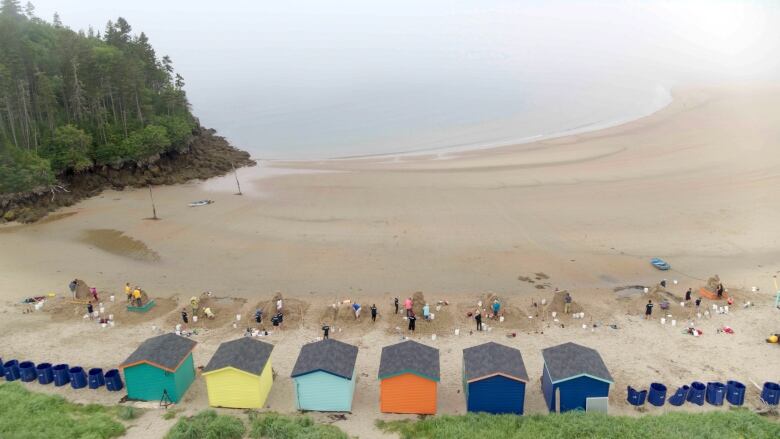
324	376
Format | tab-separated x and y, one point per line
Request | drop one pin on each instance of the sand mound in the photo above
442	323
293	310
515	316
557	304
224	309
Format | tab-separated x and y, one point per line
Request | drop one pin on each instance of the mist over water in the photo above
314	79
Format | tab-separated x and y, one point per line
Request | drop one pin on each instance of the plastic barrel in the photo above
11	370
696	393
635	397
27	371
44	372
78	378
61	374
735	392
96	378
2	369
114	381
657	395
679	396
715	393
771	393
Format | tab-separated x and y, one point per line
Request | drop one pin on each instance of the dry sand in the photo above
695	183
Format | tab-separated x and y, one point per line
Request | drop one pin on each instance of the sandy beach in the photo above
695	183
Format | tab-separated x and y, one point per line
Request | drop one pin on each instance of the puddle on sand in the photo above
117	243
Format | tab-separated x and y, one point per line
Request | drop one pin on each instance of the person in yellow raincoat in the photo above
128	292
137	296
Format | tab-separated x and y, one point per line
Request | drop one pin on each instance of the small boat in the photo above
660	264
200	203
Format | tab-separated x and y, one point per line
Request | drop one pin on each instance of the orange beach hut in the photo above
409	375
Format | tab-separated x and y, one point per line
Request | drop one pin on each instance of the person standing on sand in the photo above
356	307
184	316
426	312
496	308
648	309
325	331
688	295
478	318
698	303
373	312
396	305
411	319
94	293
90	310
408	306
567	303
720	290
279	303
137	296
128	292
258	316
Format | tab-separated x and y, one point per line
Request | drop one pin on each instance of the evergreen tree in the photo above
11	8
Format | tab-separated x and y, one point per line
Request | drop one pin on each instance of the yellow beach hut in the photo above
239	374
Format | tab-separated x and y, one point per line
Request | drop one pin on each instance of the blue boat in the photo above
660	264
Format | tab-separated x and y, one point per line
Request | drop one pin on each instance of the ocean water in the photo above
312	79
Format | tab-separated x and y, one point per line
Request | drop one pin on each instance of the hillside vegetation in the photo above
70	101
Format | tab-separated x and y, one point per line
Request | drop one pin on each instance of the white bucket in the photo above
720	310
235	325
714	307
584	326
178	327
110	317
194	319
501	319
675	281
96	314
674	322
111	298
647	290
479	304
544	301
102	310
682	304
238	317
457	331
103	325
663	320
698	314
433	316
726	309
433	337
754	289
554	314
438	307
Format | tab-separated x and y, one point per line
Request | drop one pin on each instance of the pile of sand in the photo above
341	314
293	310
441	325
515	316
557	304
224	309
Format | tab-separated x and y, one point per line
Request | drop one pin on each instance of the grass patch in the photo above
170	414
207	425
127	413
730	424
28	415
276	426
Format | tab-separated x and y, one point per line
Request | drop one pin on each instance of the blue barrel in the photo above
11	370
44	372
78	378
715	393
114	381
696	393
61	374
96	378
657	395
735	392
771	393
2	369
679	396
27	371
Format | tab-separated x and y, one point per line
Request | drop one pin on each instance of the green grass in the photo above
28	415
722	425
276	426
127	413
207	425
170	414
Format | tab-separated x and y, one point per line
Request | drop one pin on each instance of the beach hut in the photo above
494	379
239	374
409	374
576	376
324	376
161	367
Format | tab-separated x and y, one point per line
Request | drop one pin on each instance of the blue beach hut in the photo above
573	375
494	379
161	365
324	376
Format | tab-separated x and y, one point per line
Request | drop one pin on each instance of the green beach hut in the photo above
161	365
324	376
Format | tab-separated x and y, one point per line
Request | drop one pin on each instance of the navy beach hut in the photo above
494	379
577	373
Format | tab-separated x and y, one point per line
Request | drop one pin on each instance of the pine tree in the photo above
11	8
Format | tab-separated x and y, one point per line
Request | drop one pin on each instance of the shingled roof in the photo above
490	359
409	357
246	354
571	360
331	356
165	351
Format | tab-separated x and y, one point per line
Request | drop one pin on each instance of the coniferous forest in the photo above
72	100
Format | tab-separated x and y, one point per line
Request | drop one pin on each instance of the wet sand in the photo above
695	184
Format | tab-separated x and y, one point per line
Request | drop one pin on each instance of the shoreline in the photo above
665	96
